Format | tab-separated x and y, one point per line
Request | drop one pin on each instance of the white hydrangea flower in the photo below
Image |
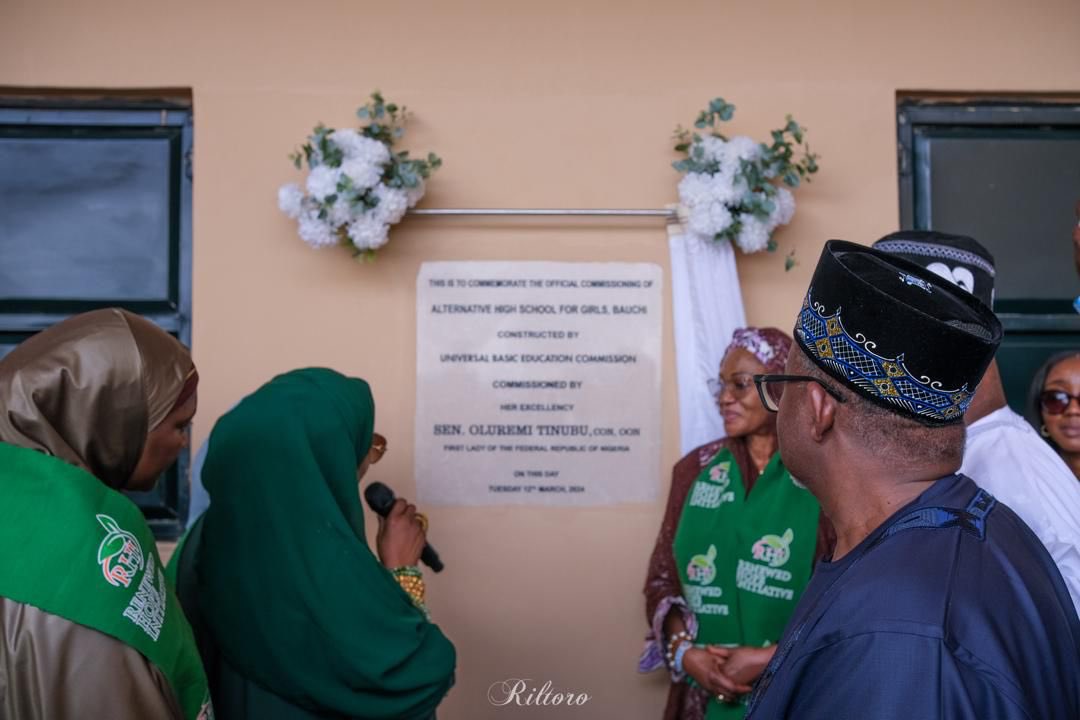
415	193
709	220
753	236
741	148
340	213
726	187
711	203
392	204
368	232
785	206
290	200
709	199
316	232
699	221
346	139
321	182
721	217
360	147
374	151
363	174
695	189
713	148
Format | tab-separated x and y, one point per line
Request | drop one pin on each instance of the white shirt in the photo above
1007	457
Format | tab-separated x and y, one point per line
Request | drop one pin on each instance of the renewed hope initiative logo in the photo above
516	691
119	553
774	549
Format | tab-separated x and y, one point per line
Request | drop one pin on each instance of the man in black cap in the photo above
938	601
1003	454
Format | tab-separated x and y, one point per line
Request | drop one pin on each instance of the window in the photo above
1006	172
95	211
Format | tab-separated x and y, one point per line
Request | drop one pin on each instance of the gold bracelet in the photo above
411	581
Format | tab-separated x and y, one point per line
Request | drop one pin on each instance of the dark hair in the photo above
1038	382
894	436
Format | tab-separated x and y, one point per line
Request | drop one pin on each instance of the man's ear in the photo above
822	411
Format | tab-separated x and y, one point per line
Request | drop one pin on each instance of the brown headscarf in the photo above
90	389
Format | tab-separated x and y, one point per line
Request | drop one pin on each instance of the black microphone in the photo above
380	498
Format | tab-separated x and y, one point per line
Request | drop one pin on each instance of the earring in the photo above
1043	431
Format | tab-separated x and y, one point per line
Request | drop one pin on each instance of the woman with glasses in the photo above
736	548
294	615
1054	401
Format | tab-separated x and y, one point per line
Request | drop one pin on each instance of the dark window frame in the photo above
85	114
913	112
1032	328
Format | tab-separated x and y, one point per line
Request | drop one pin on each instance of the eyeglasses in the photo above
739	385
1055	402
771	388
378	448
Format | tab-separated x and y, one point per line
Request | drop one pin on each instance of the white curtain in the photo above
708	307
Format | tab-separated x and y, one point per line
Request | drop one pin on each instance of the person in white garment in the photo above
1003	453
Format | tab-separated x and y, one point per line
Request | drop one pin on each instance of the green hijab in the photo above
293	596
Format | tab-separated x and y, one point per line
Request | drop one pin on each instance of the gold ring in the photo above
422	519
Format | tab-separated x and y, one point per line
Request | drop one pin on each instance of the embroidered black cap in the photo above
896	332
958	258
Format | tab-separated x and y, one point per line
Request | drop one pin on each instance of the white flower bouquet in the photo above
357	186
732	189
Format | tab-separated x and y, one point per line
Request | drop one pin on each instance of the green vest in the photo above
744	560
77	549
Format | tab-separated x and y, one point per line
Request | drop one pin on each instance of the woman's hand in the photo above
401	538
703	667
707	669
743	665
723	683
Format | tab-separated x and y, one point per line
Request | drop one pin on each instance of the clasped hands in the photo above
727	672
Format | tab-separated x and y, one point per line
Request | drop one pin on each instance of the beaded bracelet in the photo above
411	581
675	642
675	638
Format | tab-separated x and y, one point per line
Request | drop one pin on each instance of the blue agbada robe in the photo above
951	609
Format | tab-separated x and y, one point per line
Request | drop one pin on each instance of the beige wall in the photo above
554	104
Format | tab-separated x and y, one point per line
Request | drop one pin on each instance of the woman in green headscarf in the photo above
88	629
296	617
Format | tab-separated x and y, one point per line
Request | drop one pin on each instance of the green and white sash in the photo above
77	549
744	560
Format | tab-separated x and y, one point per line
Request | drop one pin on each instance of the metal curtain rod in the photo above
594	212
